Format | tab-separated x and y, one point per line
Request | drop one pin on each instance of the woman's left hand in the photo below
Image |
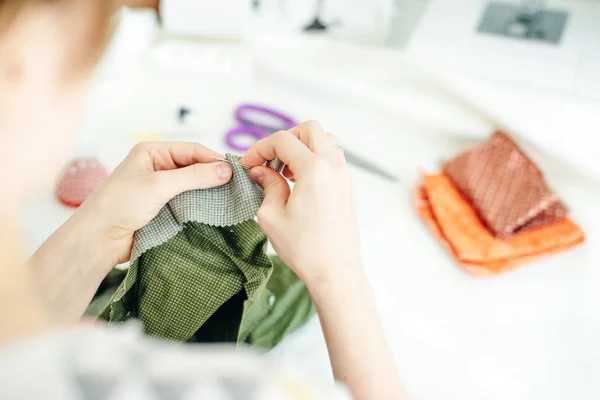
150	176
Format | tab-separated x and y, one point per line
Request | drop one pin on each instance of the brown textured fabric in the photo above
504	187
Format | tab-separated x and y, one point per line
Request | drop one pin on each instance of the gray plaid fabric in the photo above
227	205
277	165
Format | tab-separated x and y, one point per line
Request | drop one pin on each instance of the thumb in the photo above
277	190
197	176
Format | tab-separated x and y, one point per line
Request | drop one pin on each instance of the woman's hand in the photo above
150	176
72	263
313	228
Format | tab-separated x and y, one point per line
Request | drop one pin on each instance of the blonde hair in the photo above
92	42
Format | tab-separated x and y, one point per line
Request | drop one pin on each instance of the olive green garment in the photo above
105	293
260	311
289	304
193	278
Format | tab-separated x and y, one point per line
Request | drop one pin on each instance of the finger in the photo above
197	176
167	156
277	190
287	172
333	139
337	155
312	134
283	145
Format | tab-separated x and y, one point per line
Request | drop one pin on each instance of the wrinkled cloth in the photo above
458	227
505	188
192	279
289	304
285	298
174	288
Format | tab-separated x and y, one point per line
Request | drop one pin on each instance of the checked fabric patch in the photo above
199	272
505	187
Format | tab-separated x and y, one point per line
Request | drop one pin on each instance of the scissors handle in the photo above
244	116
233	136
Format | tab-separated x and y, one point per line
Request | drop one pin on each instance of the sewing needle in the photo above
246	167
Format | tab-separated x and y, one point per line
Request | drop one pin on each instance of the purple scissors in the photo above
256	122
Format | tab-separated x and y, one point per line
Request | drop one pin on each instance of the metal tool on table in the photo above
368	166
258	122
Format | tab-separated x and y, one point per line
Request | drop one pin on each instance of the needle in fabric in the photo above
246	167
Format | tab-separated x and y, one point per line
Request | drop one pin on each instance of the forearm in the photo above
22	314
71	264
359	353
21	311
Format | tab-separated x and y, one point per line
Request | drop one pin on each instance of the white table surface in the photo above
529	334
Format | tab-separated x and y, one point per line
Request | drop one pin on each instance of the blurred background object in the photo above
226	19
317	24
363	20
529	21
405	17
551	44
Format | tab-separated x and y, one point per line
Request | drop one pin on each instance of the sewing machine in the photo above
530	20
536	43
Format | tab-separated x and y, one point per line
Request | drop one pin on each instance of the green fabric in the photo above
282	307
194	279
105	293
289	304
173	289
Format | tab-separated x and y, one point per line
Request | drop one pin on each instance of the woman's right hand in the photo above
313	227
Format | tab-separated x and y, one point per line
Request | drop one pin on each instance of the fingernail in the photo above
223	171
256	175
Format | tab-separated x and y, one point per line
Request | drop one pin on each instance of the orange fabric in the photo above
456	224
